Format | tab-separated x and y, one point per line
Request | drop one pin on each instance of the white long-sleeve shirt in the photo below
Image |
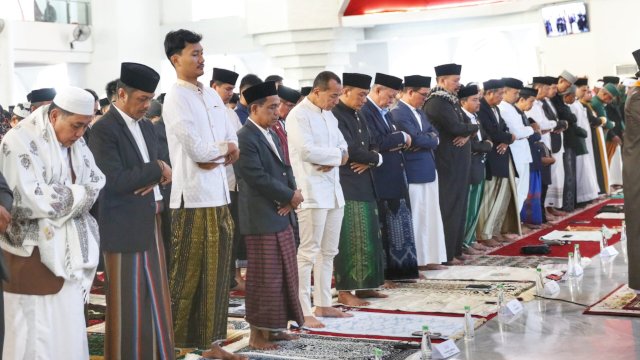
520	148
198	130
537	114
315	139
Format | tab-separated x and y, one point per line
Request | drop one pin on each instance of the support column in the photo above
6	65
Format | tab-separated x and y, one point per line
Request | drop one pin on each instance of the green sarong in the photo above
473	210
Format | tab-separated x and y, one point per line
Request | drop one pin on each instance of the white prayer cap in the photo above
75	100
628	82
22	110
599	84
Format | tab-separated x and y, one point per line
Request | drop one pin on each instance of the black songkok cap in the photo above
306	90
139	76
104	102
527	92
260	91
582	82
417	81
39	95
234	98
493	84
551	80
448	69
288	94
611	80
360	81
539	80
512	83
389	81
466	91
225	76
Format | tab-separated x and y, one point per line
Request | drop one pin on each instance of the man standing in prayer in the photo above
605	96
390	180
316	150
498	211
359	263
126	148
288	99
453	156
6	204
241	108
631	173
267	198
201	142
421	172
480	145
520	150
52	247
223	82
40	97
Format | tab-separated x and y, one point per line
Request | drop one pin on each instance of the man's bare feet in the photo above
282	336
326	311
471	251
312	322
453	262
217	352
490	243
388	284
436	267
463	257
259	340
370	294
347	298
478	246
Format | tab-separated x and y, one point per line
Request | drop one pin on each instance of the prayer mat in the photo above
572	236
392	325
585	217
618	208
326	347
237	307
622	302
492	273
610	216
98	328
511	261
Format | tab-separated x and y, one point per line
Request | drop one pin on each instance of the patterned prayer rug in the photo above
622	301
326	347
511	261
237	307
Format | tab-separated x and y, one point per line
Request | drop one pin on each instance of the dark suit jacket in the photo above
479	150
389	178
573	137
498	165
6	201
356	187
420	160
127	221
264	182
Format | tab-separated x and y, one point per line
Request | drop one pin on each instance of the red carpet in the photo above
584	218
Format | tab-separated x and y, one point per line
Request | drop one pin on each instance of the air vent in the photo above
626	69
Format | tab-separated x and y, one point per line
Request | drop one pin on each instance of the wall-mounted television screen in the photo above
566	19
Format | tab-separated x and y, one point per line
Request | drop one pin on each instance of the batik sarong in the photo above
532	210
397	240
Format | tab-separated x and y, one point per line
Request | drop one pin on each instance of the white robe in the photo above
586	177
615	168
427	223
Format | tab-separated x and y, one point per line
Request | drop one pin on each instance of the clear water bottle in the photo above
377	354
576	255
425	345
623	232
539	282
469	324
571	270
605	237
500	301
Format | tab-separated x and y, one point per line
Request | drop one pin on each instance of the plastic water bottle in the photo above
377	354
576	255
425	345
605	237
539	282
500	301
469	324
623	232
571	270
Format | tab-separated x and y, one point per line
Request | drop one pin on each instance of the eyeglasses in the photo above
422	94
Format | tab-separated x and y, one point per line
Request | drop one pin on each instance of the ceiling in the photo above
364	7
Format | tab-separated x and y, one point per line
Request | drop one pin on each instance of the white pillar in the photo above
6	65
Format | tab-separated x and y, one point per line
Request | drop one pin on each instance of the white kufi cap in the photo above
75	100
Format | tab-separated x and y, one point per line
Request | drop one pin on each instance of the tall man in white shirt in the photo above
201	142
316	150
126	149
520	150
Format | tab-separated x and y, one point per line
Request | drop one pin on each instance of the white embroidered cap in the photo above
22	110
75	100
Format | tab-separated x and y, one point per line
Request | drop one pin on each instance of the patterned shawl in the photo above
439	91
49	211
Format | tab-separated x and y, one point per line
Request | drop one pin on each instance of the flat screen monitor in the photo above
566	19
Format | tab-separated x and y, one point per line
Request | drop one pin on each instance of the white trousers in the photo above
522	184
43	327
428	230
319	238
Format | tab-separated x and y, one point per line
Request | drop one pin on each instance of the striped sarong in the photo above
199	277
272	281
138	319
473	211
359	263
532	210
401	261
